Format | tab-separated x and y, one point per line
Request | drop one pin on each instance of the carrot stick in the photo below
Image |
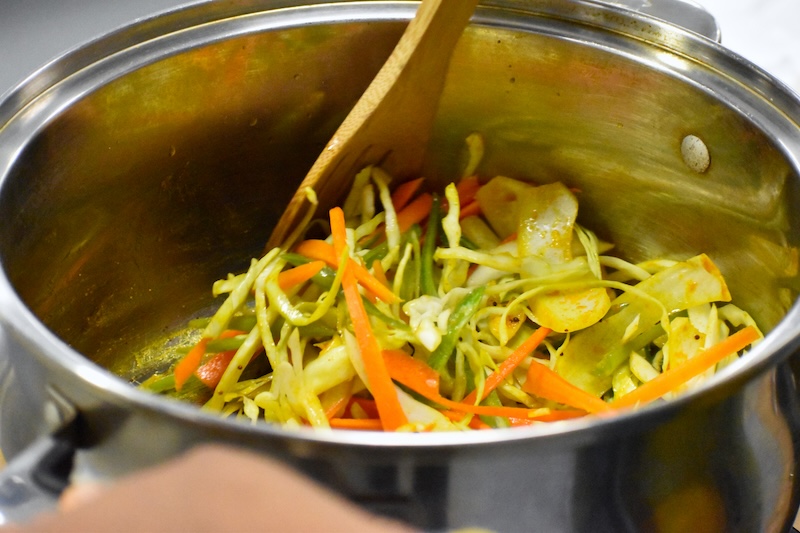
381	386
477	423
552	416
368	424
211	372
377	271
338	405
411	372
405	192
512	237
471	209
299	274
545	383
368	406
474	422
321	250
190	362
415	212
507	367
467	189
672	378
488	410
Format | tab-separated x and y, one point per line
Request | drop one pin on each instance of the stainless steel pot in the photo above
138	169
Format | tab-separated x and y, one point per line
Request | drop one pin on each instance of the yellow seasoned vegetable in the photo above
498	309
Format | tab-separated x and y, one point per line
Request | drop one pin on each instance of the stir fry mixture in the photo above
488	306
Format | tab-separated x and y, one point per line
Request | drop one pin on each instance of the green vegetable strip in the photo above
378	252
427	282
613	359
323	279
226	344
468	244
458	319
391	321
235	299
234	371
493	399
300	328
161	383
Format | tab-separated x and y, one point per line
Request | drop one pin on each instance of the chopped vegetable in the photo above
190	363
325	252
545	383
511	362
299	274
669	380
380	385
403	194
487	307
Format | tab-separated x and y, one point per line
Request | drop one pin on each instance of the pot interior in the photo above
129	193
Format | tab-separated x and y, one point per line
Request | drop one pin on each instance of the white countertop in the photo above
766	32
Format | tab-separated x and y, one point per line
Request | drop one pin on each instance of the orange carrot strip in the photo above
467	189
552	416
477	423
672	378
336	406
488	410
472	209
377	271
507	367
321	250
512	237
190	362
474	422
545	383
211	372
368	406
299	274
411	372
380	384
368	424
415	212
405	192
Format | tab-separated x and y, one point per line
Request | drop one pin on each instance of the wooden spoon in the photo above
391	123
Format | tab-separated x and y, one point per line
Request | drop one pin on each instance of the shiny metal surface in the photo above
141	168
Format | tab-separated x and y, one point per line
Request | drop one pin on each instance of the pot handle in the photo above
33	480
687	14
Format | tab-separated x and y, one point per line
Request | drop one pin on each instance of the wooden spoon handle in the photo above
391	123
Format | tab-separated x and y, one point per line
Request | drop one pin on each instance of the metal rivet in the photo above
695	153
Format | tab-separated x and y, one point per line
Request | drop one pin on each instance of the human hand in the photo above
211	488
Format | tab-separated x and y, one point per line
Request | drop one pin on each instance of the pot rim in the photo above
65	362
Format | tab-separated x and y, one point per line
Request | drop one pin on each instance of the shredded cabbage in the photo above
518	263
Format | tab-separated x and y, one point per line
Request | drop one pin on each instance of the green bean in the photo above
324	278
159	383
317	330
378	252
468	244
225	345
618	356
396	323
493	399
458	319
427	282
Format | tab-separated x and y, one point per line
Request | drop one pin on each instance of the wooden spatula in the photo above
391	122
